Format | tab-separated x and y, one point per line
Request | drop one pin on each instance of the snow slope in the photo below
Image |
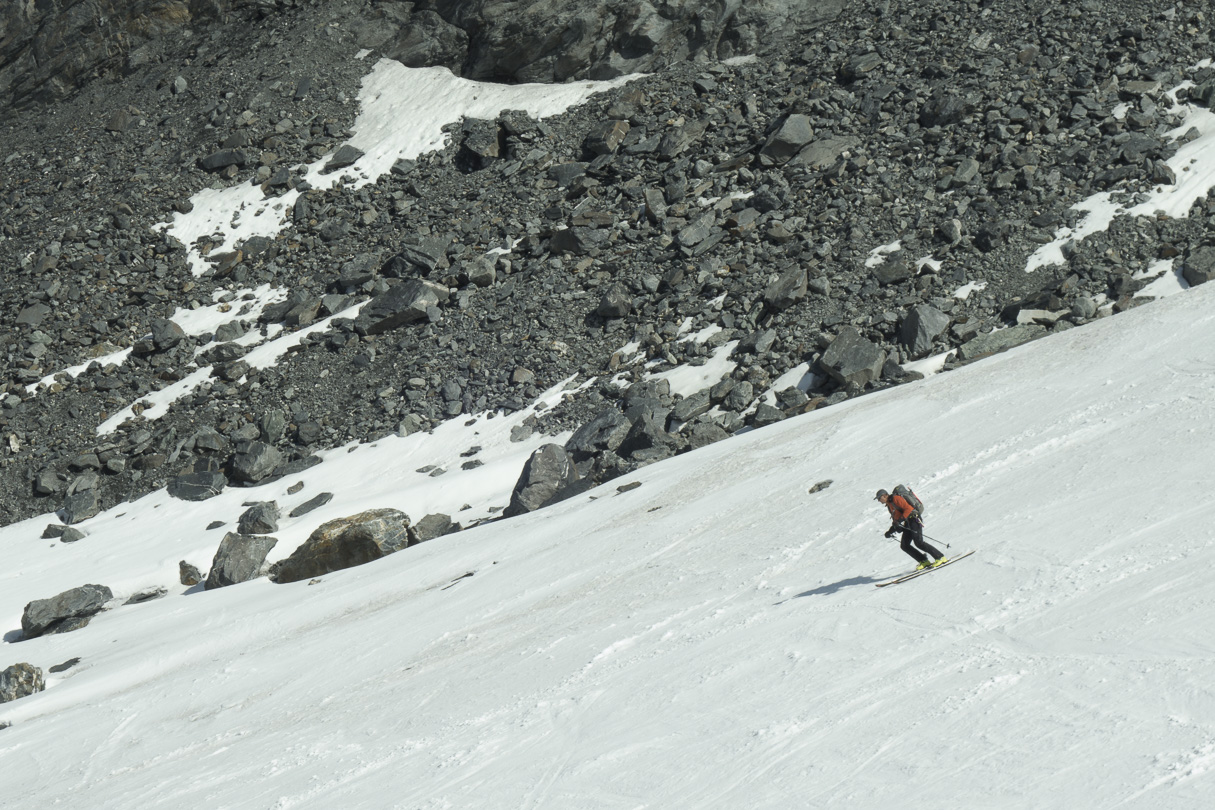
711	639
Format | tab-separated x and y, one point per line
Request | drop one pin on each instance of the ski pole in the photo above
933	539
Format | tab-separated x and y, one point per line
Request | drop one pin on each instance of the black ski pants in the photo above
914	543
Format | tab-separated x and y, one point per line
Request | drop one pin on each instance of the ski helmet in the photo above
880	494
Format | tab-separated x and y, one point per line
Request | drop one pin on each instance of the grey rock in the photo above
345	156
423	39
69	610
851	358
33	315
792	398
703	434
255	461
482	271
145	595
20	680
943	109
605	138
691	406
756	342
789	138
999	340
766	414
921	325
402	304
547	477
188	574
823	153
433	526
740	397
271	426
217	161
1199	266
578	240
786	290
313	503
80	505
615	303
198	486
605	432
47	482
648	440
481	139
346	542
239	558
893	270
260	518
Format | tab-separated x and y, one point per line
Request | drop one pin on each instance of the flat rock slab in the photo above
999	340
64	611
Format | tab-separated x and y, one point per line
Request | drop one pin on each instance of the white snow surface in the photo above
711	639
402	112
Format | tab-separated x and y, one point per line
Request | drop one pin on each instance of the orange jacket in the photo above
899	508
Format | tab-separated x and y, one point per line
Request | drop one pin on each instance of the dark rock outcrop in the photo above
548	476
346	542
239	558
64	612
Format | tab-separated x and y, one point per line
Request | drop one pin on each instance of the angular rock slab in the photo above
69	610
400	305
546	475
239	558
345	543
920	327
999	340
851	358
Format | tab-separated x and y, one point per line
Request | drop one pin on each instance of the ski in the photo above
915	574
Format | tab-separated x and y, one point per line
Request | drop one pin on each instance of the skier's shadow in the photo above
834	587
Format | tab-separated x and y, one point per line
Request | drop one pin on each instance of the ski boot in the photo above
924	565
940	562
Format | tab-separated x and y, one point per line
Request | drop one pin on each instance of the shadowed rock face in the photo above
557	40
50	48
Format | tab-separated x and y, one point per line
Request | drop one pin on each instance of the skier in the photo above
905	518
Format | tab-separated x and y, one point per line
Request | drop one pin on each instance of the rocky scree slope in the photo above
736	200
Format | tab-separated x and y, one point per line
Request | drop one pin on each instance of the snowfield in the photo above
711	638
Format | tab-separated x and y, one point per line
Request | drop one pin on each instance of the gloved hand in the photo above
890	533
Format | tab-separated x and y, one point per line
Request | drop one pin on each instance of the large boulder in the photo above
80	506
789	138
260	518
648	441
239	558
64	612
921	325
851	358
197	486
403	304
547	477
20	680
1199	266
999	340
255	461
605	432
345	543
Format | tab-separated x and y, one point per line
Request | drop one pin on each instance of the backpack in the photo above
909	496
